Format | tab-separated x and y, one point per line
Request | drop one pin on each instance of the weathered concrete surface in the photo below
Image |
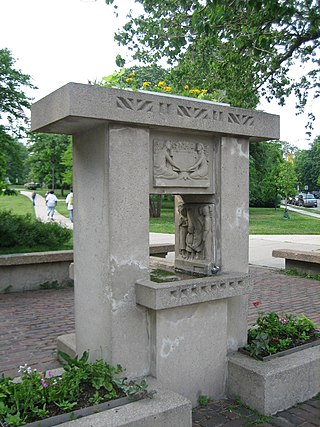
75	108
277	384
24	272
166	409
123	142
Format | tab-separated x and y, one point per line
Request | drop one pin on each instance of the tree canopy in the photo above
13	100
12	90
246	47
48	157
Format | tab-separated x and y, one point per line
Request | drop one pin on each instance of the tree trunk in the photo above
155	204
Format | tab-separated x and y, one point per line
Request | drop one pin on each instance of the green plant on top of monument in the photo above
83	383
272	333
133	79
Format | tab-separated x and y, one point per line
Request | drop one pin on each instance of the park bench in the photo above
303	261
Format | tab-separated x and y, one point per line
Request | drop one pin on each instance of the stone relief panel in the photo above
196	232
182	163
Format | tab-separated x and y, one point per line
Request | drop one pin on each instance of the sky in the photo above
61	41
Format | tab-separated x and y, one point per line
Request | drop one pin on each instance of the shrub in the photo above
25	231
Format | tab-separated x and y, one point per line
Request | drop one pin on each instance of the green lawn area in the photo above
271	221
19	205
262	221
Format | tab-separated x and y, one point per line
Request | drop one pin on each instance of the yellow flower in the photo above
132	74
160	84
129	79
146	84
186	87
167	88
204	91
194	91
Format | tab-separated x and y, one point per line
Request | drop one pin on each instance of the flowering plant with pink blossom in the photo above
273	333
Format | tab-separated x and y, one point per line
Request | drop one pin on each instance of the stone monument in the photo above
125	146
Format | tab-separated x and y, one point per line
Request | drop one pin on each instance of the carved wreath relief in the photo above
180	164
196	228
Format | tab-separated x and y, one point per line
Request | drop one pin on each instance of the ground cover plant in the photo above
41	395
20	233
272	333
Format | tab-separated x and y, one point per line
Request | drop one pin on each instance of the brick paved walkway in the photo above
31	321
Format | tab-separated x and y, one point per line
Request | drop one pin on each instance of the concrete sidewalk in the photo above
40	209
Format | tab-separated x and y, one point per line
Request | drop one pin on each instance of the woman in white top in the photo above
51	202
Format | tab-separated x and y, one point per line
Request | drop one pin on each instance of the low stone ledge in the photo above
303	261
308	256
35	258
185	292
277	384
161	249
166	409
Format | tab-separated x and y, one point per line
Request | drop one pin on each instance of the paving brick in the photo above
31	321
282	422
309	408
305	415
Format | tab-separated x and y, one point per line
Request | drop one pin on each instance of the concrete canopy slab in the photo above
77	107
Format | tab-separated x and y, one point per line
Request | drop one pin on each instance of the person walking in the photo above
33	196
51	202
69	201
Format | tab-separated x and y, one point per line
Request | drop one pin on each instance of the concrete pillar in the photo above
111	249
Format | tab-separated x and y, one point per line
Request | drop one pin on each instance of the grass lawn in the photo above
271	221
19	205
262	221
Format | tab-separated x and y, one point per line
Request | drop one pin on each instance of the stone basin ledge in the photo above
159	296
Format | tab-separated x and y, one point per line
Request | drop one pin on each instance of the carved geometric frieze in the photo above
240	119
181	163
134	104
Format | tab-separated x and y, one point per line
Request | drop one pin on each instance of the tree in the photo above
12	96
14	155
45	158
287	180
265	162
307	166
12	101
245	47
66	161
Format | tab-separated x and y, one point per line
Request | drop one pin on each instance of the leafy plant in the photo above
23	230
203	400
273	333
40	395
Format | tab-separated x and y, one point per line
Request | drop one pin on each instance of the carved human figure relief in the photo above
200	169
183	230
181	164
164	165
196	226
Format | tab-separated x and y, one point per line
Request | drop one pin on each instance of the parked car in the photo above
295	200
307	200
